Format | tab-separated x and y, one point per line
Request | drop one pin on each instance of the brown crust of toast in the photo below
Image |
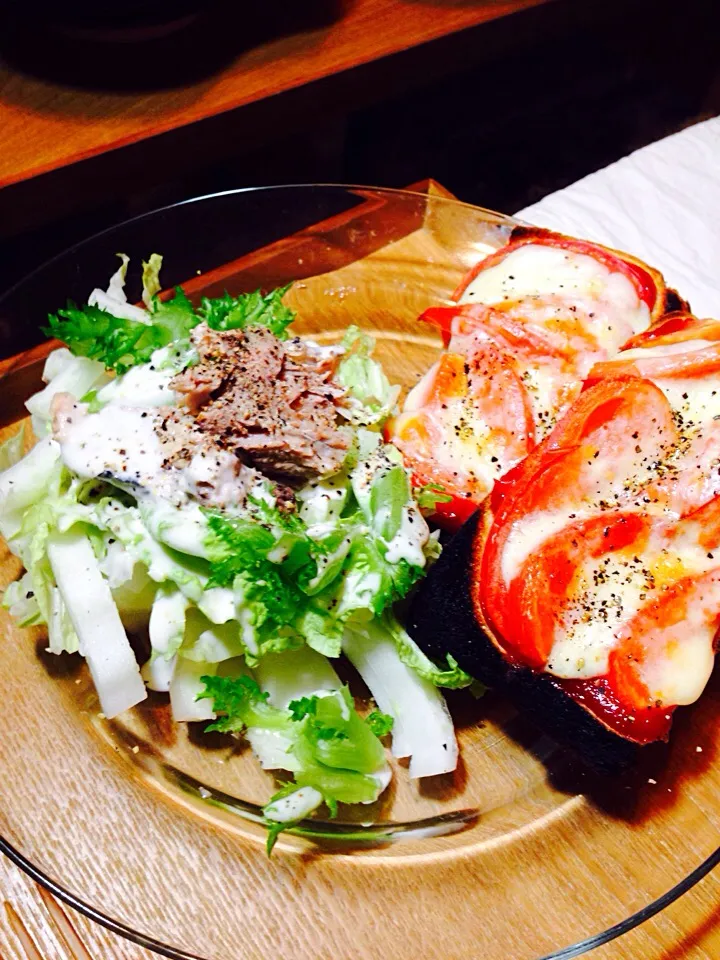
445	617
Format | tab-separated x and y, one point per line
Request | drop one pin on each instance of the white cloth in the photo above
661	203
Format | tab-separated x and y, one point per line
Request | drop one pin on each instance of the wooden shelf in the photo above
46	125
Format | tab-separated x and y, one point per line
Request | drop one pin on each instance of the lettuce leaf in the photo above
371	394
118	342
333	750
254	309
122	335
451	676
151	279
11	451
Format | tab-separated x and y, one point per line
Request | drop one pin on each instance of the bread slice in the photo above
445	617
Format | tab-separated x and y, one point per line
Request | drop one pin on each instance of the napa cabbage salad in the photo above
204	478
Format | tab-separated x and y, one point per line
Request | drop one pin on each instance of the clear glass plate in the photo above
152	828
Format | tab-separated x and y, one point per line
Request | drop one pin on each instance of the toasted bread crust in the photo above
445	616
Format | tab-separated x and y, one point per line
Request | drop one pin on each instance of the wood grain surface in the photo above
551	854
46	125
688	930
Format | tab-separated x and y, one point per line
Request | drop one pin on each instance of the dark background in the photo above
501	115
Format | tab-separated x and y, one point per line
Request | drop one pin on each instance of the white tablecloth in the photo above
661	203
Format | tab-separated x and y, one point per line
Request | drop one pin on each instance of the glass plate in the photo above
152	828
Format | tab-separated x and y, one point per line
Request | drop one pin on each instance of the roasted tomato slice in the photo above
666	651
648	283
453	430
595	461
537	598
660	361
676	327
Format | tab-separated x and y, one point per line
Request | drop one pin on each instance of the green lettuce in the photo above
371	393
333	750
121	335
254	309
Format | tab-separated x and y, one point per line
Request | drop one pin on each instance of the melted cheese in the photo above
536	270
526	536
605	595
679	673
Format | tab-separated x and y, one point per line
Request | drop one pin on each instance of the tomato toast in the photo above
589	589
527	325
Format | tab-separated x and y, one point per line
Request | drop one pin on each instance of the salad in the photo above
204	479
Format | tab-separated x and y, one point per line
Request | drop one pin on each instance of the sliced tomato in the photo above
442	318
456	433
647	282
452	514
519	337
537	597
605	417
666	651
658	365
587	463
674	328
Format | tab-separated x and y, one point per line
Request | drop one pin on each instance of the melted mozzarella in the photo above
682	668
539	270
607	592
697	400
526	536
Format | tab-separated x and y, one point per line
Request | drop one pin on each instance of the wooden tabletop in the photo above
34	926
46	125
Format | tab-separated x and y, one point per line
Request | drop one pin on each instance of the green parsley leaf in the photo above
120	343
299	709
254	309
380	723
234	699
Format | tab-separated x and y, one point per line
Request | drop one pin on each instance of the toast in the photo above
445	615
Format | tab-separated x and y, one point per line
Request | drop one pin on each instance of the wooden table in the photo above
33	926
47	129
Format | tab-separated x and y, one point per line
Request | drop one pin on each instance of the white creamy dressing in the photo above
121	443
536	270
408	542
321	502
142	386
294	806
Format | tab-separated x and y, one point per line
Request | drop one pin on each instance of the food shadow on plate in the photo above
651	784
115	52
58	665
